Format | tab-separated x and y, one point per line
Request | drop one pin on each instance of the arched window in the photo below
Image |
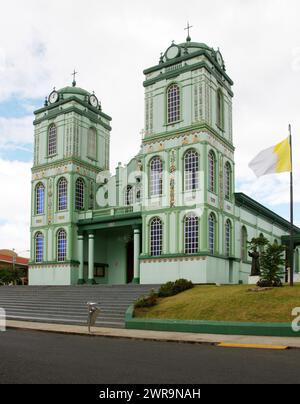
39	247
79	194
275	242
211	171
129	195
61	245
227	181
62	192
211	233
156	177
156	237
92	144
173	95
244	248
191	170
39	199
52	140
191	234
228	237
220	109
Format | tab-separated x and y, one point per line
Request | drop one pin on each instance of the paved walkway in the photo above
157	335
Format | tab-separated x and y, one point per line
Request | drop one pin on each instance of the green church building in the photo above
172	211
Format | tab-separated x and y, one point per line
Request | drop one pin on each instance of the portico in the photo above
109	250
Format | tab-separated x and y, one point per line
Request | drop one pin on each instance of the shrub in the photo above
146	301
173	288
166	290
272	261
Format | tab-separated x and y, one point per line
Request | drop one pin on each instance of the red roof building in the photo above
9	258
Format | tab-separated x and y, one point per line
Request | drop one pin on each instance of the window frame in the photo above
39	200
227	181
39	236
60	207
212	171
61	257
129	195
191	234
220	109
173	104
228	238
80	198
212	221
156	237
52	141
156	178
92	152
191	177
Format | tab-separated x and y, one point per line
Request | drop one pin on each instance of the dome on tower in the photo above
71	91
195	46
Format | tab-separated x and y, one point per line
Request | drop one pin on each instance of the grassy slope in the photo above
227	303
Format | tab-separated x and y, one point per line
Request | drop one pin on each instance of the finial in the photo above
46	102
74	76
188	39
161	60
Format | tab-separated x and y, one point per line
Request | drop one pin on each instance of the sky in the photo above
110	44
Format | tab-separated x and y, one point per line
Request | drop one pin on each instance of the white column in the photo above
91	280
80	258
136	262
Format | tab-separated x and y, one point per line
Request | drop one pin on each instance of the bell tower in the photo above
188	154
188	89
71	146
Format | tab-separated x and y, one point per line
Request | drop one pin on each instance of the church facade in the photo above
172	211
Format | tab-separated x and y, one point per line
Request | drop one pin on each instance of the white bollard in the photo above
2	320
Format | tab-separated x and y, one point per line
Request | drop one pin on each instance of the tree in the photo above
272	261
8	276
258	243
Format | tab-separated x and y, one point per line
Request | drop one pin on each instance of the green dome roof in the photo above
73	90
195	45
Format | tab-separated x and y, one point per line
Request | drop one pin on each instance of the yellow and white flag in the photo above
276	159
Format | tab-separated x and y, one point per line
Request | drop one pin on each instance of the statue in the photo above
255	267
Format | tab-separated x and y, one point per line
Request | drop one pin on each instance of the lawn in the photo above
227	303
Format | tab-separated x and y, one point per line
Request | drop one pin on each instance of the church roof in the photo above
196	45
248	203
73	91
181	53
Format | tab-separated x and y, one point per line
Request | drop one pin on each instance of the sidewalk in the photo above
157	335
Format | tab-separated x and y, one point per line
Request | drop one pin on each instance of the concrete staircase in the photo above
67	304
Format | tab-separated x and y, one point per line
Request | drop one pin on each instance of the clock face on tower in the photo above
219	59
53	97
93	101
172	52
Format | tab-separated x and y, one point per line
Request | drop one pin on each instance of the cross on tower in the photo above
188	39
74	76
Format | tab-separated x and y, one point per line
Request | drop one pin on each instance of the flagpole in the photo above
292	214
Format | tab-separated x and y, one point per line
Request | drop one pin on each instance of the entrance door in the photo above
130	261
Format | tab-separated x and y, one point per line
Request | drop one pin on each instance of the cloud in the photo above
15	199
16	133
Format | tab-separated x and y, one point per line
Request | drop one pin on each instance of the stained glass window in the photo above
173	103
156	237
